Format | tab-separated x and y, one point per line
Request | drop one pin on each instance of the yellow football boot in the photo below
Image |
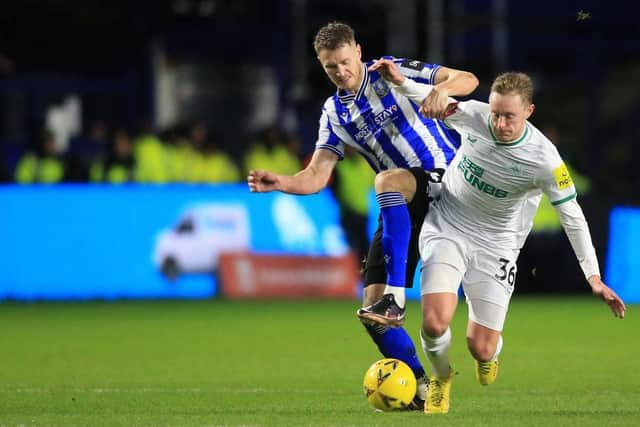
438	395
487	372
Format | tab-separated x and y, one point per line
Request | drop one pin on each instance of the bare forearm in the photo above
314	177
310	180
302	183
458	83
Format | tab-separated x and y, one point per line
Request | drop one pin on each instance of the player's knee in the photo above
384	181
481	350
393	180
433	326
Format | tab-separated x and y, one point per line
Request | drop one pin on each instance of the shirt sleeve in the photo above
327	138
468	117
577	230
557	184
415	91
554	178
419	71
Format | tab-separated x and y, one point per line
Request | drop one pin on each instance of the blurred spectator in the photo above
352	183
273	151
44	166
209	163
86	150
218	167
199	134
150	157
293	142
119	165
179	153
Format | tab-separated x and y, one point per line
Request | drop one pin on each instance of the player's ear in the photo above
530	110
359	50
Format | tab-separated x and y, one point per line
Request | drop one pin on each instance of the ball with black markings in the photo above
389	384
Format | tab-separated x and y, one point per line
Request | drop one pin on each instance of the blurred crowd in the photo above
186	153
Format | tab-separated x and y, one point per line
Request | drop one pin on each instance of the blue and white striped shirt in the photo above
385	126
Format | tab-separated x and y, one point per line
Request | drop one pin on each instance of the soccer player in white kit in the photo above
474	231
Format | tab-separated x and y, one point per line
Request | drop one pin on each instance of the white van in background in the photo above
200	236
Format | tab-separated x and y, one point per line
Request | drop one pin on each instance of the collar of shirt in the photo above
346	97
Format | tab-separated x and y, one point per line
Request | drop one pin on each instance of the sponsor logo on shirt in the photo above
473	174
382	117
376	123
413	64
363	132
563	179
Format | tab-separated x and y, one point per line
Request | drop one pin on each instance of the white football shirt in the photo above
492	189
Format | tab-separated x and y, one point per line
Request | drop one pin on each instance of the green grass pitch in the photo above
566	362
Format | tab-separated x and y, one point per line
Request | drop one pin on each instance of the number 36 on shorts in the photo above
506	271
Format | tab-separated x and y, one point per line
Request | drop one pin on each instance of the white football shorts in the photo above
487	274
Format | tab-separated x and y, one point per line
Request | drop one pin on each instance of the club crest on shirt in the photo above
515	169
381	88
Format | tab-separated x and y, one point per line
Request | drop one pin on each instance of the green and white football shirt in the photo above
492	189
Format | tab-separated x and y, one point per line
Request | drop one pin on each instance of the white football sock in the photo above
422	387
498	349
398	293
437	351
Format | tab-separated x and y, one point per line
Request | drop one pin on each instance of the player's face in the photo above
509	114
343	65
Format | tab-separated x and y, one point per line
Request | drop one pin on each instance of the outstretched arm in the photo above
310	180
577	230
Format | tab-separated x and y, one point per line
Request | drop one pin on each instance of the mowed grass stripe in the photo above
567	361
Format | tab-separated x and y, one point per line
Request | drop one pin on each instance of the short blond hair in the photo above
333	35
519	83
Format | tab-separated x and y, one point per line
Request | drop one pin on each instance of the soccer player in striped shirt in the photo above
402	146
474	231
